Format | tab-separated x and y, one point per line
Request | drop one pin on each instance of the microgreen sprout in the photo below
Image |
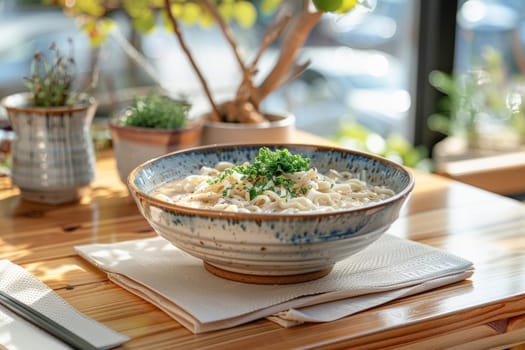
268	171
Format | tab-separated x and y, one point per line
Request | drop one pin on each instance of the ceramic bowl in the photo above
269	248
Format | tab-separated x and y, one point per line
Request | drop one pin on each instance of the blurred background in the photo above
356	59
411	80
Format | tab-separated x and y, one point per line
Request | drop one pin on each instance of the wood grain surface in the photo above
486	311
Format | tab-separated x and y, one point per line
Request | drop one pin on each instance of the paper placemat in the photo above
178	284
17	333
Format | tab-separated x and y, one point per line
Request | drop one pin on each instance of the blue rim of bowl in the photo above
269	216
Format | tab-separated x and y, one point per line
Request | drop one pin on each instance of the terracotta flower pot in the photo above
135	145
278	130
53	156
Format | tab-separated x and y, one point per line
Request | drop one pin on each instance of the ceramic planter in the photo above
135	145
278	130
53	156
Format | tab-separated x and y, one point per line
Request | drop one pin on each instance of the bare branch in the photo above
226	30
292	74
135	55
246	88
274	30
180	38
297	35
306	4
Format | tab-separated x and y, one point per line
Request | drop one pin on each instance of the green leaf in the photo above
355	131
134	8
90	7
190	13
245	14
439	123
347	6
398	144
443	82
157	3
327	5
144	23
269	6
206	20
412	157
157	111
226	10
98	30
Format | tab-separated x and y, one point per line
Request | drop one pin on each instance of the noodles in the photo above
234	188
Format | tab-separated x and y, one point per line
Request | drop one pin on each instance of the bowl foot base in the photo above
266	279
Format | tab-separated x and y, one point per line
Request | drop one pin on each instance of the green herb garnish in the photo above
268	172
157	111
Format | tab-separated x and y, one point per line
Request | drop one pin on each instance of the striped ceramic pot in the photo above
53	155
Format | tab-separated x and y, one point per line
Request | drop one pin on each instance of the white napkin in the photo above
178	284
16	333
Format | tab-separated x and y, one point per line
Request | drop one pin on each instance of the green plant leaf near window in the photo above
394	147
157	111
482	101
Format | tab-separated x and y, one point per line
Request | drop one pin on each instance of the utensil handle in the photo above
45	323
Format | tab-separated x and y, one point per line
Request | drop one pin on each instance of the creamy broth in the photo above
221	188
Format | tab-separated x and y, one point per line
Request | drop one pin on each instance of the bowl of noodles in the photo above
270	214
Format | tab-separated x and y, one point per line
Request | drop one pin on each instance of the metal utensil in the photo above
45	323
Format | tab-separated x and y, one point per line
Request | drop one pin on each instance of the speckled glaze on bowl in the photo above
269	248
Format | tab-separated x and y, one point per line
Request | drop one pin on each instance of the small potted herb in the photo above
53	156
152	126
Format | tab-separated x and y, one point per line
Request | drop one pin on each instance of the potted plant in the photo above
153	125
52	155
482	110
293	22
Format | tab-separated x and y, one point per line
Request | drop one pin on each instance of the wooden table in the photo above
486	311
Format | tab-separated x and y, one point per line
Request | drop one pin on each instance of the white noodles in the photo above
314	192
